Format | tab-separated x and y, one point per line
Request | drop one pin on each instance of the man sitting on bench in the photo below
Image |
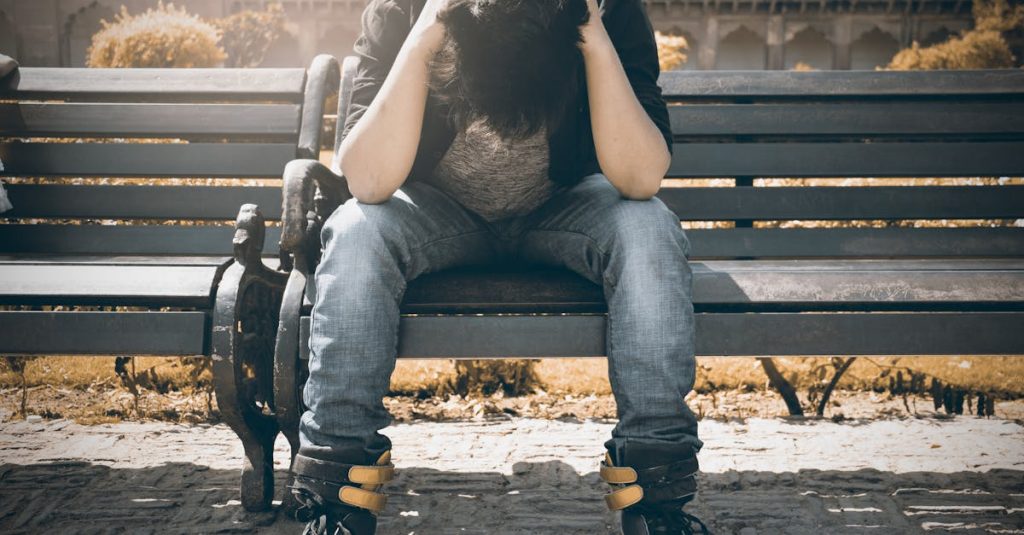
542	140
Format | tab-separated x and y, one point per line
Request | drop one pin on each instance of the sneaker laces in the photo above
313	511
677	522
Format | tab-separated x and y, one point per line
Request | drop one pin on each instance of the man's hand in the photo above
428	32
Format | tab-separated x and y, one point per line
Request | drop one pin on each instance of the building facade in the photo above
723	34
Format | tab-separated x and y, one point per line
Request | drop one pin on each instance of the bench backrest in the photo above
87	146
914	125
746	126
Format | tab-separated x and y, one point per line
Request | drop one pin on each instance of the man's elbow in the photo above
644	184
363	183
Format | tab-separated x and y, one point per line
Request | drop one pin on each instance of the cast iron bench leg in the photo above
244	328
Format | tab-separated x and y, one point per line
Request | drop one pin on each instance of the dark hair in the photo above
512	63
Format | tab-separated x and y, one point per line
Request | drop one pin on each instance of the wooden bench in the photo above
759	290
175	277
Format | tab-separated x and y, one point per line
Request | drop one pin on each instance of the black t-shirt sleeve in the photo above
632	35
385	25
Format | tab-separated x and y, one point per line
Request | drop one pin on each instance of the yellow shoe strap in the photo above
362	498
624	497
618	475
371	475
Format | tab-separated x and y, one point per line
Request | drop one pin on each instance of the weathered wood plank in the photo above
731	84
153	85
154	120
103	333
930	118
213	160
139	202
842	159
767	334
827	202
856	242
104	284
124	239
121	260
706	244
691	204
747	284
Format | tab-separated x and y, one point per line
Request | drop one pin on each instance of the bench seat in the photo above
111	281
971	305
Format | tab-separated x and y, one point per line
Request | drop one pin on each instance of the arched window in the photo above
810	47
742	49
871	49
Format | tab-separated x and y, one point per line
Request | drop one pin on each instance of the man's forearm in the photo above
630	148
378	153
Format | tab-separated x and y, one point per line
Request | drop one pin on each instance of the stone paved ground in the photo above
520	476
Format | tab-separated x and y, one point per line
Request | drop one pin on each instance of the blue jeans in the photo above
635	250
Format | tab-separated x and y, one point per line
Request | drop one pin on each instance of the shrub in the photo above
248	35
982	47
670	50
163	36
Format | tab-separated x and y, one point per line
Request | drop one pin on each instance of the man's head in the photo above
511	63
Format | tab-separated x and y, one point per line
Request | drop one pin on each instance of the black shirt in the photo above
386	23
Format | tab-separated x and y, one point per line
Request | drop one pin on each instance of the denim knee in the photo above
357	241
647	235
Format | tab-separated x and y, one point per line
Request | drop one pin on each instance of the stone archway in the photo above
741	49
78	32
873	48
810	47
693	45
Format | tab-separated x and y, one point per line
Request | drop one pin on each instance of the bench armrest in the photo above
322	80
311	192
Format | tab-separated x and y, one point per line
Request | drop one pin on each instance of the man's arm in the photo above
629	118
380	139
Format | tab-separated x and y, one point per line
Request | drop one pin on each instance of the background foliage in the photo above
163	36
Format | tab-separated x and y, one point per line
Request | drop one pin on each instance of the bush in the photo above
248	35
161	37
982	47
670	50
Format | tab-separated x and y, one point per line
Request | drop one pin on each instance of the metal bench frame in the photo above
200	289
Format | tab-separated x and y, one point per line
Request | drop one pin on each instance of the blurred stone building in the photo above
723	34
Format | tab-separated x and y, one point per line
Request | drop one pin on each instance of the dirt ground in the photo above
505	474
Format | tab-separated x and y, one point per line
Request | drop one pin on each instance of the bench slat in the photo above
836	159
103	333
123	239
155	120
152	85
716	243
31	283
932	118
139	202
734	84
829	202
941	333
747	285
856	242
211	160
106	260
691	204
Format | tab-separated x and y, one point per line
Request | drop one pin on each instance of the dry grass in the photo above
571	376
